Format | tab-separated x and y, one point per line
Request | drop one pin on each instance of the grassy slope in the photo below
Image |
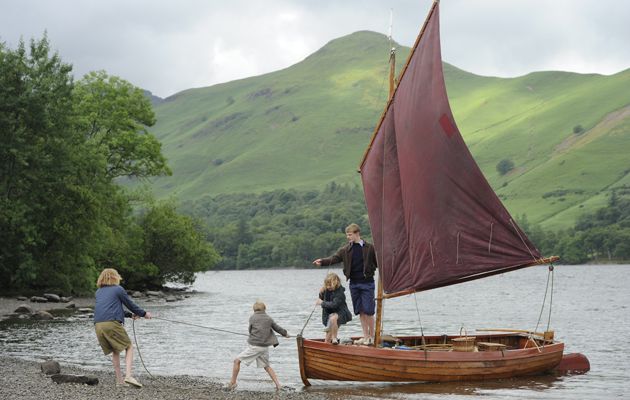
306	125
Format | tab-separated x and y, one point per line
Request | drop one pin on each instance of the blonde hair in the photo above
108	277
332	280
259	306
354	228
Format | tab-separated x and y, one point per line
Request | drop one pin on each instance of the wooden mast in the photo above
379	290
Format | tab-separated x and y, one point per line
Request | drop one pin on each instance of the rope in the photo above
522	240
201	326
419	320
308	319
549	275
550	297
135	339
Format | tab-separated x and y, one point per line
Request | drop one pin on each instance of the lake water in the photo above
589	313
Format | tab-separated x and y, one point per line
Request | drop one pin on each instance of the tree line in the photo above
63	217
289	228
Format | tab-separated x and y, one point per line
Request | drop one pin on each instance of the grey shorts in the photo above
258	353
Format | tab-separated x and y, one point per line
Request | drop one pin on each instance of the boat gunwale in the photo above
436	355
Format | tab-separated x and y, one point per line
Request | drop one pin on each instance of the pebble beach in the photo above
24	380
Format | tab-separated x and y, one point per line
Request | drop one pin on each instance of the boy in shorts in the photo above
109	318
261	336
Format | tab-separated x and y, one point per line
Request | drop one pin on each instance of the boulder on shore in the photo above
68	378
43	315
50	367
24	309
38	299
53	298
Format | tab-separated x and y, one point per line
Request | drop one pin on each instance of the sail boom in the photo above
541	261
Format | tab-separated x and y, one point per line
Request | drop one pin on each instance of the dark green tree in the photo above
174	244
114	116
50	203
504	166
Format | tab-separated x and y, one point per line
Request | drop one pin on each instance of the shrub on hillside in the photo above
504	166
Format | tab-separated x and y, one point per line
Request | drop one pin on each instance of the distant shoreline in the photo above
9	304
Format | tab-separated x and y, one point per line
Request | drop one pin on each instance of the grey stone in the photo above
71	305
53	298
50	367
68	378
170	299
43	315
23	309
37	299
65	299
22	298
85	310
154	293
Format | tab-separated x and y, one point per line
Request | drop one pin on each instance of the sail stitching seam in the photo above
490	241
457	259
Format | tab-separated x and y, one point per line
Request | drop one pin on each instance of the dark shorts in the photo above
362	297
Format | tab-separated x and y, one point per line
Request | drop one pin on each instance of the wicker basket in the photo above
465	343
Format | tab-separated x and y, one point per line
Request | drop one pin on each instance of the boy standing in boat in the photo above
359	266
109	317
261	336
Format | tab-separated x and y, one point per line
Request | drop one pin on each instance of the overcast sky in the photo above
169	46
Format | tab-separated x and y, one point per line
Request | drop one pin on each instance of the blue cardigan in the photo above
109	301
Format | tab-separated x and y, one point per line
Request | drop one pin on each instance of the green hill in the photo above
309	124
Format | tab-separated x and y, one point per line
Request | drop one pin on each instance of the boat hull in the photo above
319	360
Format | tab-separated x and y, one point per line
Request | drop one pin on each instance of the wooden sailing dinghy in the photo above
435	222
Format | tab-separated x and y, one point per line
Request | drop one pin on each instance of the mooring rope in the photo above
201	326
308	319
133	327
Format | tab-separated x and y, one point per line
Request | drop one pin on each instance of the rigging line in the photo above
419	320
522	240
551	268
543	302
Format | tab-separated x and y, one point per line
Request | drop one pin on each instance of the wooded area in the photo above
290	228
63	217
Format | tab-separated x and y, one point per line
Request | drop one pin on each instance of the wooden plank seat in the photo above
489	346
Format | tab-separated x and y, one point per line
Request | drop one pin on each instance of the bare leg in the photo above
370	325
273	376
128	360
334	328
116	362
364	325
235	370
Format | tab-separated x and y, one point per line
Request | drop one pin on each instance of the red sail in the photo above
435	219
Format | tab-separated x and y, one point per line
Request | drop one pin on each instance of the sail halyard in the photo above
435	219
